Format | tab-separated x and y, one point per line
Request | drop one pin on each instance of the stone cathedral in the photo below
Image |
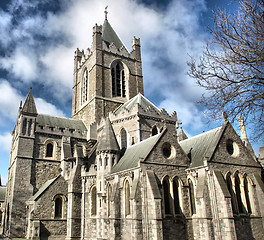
121	168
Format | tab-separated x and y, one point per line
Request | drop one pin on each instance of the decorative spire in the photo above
106	12
108	140
29	105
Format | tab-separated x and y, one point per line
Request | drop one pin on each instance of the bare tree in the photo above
231	68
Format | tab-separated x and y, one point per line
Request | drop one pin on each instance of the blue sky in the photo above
38	39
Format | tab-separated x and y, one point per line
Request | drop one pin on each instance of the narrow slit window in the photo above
93	201
191	197
127	198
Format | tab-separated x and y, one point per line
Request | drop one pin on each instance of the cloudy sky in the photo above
38	39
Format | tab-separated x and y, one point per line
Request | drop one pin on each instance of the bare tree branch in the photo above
231	68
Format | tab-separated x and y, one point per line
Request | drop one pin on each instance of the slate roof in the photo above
110	36
108	139
42	189
138	99
29	105
2	193
135	153
60	122
200	146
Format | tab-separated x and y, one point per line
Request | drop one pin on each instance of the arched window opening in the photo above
29	127
109	192
176	199
230	189
58	207
93	201
238	194
127	198
191	197
118	80
166	195
154	131
24	126
123	139
49	150
85	86
246	189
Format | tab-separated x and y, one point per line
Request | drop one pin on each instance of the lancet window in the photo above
123	138
127	197
118	80
191	197
85	86
93	201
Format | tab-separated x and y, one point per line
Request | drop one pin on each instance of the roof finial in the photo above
106	12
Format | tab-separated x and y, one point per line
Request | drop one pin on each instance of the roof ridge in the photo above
201	134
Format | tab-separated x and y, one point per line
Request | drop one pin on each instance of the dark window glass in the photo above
191	197
166	196
123	139
154	131
49	151
118	81
58	207
176	196
238	194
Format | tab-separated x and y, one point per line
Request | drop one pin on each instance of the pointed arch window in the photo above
85	86
176	199
246	190
166	195
238	194
127	198
118	80
93	201
191	197
154	131
123	138
49	150
230	189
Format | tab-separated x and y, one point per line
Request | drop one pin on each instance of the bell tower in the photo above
106	75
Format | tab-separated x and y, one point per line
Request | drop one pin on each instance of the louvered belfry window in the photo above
118	80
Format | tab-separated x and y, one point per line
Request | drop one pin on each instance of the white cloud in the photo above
167	37
10	99
5	141
21	63
48	108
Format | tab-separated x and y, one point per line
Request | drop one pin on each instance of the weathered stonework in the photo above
122	169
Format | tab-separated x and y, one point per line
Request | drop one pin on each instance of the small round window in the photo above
232	148
168	150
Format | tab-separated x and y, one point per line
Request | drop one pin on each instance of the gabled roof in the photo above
60	122
2	193
138	99
110	36
108	139
135	153
200	146
42	189
29	105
